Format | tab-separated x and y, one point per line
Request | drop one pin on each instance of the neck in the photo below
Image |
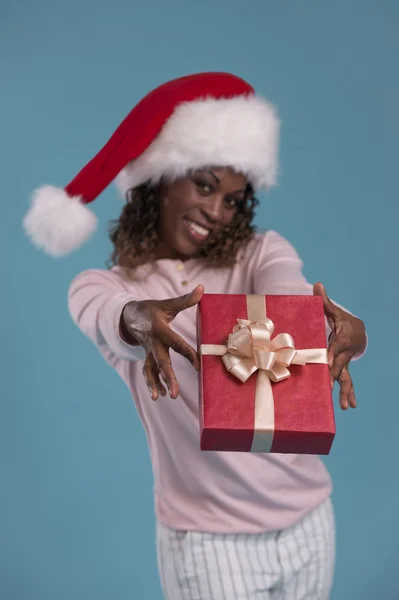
164	251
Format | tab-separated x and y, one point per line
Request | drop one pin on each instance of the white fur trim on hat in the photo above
240	132
58	223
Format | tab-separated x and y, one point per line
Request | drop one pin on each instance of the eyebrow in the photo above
246	190
213	174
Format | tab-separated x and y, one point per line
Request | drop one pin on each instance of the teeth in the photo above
198	228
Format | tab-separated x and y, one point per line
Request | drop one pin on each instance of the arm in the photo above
126	328
279	271
96	301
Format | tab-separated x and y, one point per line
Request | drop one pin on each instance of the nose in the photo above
212	209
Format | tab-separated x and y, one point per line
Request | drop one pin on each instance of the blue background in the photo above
76	509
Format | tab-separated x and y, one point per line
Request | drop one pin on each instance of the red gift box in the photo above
279	406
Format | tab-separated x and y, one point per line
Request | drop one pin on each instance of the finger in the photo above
152	379
183	302
178	344
352	397
345	382
161	388
339	362
163	362
333	349
329	308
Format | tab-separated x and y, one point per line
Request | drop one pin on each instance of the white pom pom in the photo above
57	223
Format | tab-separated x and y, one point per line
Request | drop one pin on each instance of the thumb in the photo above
186	301
320	290
330	310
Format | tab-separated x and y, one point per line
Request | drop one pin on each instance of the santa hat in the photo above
208	119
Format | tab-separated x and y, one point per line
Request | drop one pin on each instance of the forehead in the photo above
225	174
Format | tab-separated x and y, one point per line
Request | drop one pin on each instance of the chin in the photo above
186	250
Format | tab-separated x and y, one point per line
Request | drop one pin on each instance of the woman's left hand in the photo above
348	338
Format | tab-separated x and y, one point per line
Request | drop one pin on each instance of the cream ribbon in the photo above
250	348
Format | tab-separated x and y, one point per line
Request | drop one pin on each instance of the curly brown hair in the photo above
135	234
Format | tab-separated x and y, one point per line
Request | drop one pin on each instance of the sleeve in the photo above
279	270
96	300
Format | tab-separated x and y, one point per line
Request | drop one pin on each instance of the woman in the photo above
189	157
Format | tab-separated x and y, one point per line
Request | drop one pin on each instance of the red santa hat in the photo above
208	119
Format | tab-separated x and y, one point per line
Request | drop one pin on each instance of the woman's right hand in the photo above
146	323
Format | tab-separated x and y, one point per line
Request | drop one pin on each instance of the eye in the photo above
231	202
204	187
234	201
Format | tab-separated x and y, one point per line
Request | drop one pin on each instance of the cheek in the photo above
176	203
228	216
169	215
168	209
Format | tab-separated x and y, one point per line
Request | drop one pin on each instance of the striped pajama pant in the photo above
293	564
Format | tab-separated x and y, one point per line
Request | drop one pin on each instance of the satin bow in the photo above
250	347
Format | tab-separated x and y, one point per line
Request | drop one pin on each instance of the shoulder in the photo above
114	278
269	245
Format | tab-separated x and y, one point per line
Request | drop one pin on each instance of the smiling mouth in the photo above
197	230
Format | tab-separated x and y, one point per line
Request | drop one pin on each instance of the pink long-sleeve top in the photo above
194	490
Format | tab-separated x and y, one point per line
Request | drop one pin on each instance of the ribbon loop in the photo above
250	348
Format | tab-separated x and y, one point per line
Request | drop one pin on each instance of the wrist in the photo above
359	336
126	324
362	338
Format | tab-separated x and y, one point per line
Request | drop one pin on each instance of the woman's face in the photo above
194	206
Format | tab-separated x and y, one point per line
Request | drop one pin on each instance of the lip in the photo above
194	234
209	228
